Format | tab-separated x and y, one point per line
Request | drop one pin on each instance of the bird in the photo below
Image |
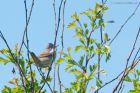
46	58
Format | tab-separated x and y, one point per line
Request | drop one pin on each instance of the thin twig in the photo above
62	45
55	24
133	47
43	77
28	54
124	24
56	34
24	33
16	62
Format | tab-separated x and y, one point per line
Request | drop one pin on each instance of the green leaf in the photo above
79	77
98	6
77	48
69	66
93	67
72	25
72	62
85	25
60	60
79	32
3	60
82	40
69	49
106	49
94	25
106	37
18	89
67	57
86	32
81	60
98	82
91	49
75	71
128	79
75	16
92	41
75	85
68	90
138	72
101	22
6	89
4	51
98	51
91	76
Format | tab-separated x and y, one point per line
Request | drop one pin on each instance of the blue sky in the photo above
41	31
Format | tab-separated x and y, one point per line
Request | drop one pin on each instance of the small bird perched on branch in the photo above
46	57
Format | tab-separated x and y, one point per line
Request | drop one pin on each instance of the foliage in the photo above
16	81
133	78
88	48
84	68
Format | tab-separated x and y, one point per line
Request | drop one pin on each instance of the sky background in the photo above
41	32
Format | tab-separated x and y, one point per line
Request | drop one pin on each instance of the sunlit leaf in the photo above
128	79
60	60
3	60
98	82
72	25
75	85
106	38
86	75
82	40
75	71
69	49
75	16
77	48
81	60
85	25
91	76
3	51
106	49
68	90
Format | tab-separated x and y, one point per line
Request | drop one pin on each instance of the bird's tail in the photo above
35	58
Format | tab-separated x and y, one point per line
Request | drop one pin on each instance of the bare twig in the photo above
99	56
27	23
56	34
62	45
125	71
45	79
55	24
131	66
124	24
21	73
28	54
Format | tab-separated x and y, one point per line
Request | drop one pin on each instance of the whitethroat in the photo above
46	58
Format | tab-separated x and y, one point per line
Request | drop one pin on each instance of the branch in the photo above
28	54
45	79
55	24
26	26
62	44
125	71
21	73
124	24
56	34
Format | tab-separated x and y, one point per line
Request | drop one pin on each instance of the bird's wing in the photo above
45	54
35	58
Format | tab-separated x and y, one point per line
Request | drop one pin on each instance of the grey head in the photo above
50	46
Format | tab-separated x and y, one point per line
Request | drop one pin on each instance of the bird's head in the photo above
50	46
